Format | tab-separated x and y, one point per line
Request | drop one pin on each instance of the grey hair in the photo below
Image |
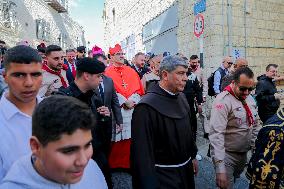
170	63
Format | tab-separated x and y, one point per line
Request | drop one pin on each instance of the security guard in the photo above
233	128
192	91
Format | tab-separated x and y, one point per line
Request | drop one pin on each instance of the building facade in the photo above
38	21
253	29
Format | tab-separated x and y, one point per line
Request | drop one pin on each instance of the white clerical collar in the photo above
167	91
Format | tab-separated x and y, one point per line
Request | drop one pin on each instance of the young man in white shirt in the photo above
23	76
61	149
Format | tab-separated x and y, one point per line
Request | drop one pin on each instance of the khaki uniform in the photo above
51	83
229	134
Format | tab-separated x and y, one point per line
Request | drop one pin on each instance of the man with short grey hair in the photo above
163	148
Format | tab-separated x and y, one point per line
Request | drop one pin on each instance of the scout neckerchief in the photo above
58	73
248	111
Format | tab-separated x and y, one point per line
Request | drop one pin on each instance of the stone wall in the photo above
62	30
124	18
258	30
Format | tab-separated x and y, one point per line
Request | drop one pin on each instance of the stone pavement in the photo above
205	178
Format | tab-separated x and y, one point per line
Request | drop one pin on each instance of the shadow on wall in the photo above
160	34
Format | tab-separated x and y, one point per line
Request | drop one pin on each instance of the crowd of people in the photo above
70	118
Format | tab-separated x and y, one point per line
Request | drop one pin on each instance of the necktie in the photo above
73	70
101	92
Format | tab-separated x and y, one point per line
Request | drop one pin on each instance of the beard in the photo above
56	68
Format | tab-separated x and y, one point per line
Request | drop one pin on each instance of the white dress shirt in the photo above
15	133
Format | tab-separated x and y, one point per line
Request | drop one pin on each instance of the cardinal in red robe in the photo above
129	91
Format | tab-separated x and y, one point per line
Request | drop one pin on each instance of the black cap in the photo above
81	49
90	65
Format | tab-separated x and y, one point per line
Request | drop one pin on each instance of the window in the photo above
8	14
42	29
62	40
128	46
113	16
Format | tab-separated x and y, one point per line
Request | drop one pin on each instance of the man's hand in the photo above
278	96
199	108
103	110
118	128
279	78
222	180
195	166
129	104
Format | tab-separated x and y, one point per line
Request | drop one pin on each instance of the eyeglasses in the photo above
230	63
119	54
242	88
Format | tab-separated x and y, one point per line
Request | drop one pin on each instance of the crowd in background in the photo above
137	116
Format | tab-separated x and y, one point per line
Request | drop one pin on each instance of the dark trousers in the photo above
193	120
102	141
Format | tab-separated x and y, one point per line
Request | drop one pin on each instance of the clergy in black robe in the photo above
163	149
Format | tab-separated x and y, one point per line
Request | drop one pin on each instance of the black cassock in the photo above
162	142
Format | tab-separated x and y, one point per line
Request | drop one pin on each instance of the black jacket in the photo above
94	101
142	71
193	90
267	104
110	99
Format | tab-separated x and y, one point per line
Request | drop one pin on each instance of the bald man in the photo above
220	73
239	63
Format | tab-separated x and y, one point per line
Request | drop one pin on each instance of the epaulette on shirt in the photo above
222	95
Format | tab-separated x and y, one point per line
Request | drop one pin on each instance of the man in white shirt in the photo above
23	75
61	149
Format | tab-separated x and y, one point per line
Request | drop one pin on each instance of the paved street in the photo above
205	178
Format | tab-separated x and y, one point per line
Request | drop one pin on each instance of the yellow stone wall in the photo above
264	32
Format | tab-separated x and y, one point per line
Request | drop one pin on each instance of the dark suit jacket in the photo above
69	75
143	71
111	99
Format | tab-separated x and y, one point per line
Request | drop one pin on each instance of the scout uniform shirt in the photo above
229	129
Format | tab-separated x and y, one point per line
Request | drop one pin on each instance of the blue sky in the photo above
88	13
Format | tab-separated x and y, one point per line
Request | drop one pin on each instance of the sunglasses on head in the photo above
241	88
